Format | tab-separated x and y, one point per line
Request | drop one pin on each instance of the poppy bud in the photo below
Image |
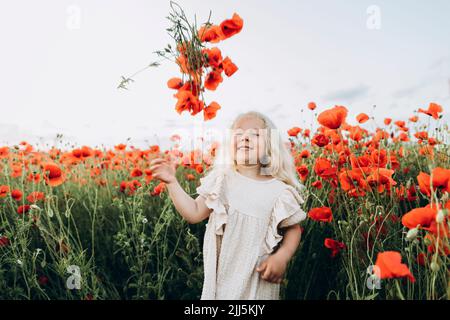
434	266
412	234
440	216
35	207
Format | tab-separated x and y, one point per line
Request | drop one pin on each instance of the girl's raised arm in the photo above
192	210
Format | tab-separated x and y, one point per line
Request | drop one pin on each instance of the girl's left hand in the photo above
273	268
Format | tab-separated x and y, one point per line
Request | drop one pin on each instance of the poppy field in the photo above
85	223
89	223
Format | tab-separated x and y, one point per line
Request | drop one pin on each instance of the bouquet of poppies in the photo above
201	67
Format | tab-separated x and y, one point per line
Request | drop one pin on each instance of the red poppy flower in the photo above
333	118
213	79
433	110
188	102
232	26
353	182
82	153
320	140
324	169
317	184
16	194
421	135
390	266
421	258
322	214
419	216
214	57
334	246
305	154
53	175
414	118
382	179
4	241
210	111
175	83
35	196
440	180
362	117
34	177
293	132
312	106
158	189
229	67
23	209
303	172
212	34
136	172
4	191
438	244
357	133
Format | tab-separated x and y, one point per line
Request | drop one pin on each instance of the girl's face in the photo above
248	141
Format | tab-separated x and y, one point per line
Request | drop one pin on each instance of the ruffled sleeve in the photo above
211	188
286	211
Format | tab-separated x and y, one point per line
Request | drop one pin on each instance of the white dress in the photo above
242	230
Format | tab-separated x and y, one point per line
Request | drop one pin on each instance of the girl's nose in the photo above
245	137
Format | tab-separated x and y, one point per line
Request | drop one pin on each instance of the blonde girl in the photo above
253	201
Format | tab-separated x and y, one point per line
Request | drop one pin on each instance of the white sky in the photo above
60	79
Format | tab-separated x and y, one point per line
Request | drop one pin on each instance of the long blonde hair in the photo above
280	160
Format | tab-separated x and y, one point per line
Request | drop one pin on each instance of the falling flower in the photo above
201	67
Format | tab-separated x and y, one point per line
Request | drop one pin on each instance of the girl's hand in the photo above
163	169
273	268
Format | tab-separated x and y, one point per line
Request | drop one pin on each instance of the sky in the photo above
61	62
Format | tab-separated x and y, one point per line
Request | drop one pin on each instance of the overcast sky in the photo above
61	62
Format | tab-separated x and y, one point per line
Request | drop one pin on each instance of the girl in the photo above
253	202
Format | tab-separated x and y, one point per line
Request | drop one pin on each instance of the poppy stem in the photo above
399	290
